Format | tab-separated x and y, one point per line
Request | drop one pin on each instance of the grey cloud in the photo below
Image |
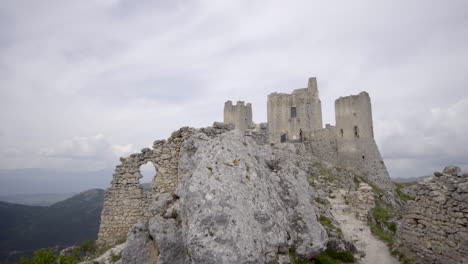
137	70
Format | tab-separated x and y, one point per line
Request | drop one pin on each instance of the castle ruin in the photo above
292	119
240	115
291	116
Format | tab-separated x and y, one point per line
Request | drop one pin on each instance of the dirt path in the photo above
357	231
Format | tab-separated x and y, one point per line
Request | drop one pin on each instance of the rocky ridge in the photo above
238	199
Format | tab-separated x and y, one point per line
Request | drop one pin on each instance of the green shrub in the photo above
88	247
47	256
330	256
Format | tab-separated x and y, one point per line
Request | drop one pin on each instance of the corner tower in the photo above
292	116
356	146
240	115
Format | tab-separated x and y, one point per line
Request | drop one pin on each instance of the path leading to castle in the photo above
359	232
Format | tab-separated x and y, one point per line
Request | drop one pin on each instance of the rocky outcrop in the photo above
361	201
435	227
238	200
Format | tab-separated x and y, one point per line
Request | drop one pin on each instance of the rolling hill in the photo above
24	229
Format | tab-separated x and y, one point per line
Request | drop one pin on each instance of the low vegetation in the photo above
333	257
86	251
384	229
326	257
329	176
402	194
324	221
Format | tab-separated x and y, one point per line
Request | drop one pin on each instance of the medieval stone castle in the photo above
297	118
294	118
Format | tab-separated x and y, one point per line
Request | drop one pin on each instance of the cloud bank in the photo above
82	83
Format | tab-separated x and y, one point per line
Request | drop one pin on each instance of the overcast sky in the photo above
84	82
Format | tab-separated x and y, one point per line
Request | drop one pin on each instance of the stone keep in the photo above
356	146
240	115
290	116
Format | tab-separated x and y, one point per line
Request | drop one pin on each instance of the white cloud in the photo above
137	70
96	147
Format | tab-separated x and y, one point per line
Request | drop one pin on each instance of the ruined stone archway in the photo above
126	201
148	172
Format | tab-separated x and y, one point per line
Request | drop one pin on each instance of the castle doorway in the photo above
283	138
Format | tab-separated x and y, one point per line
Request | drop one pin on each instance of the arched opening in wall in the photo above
363	157
341	132
356	132
148	171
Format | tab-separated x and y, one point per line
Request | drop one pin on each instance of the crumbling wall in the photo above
125	201
322	144
240	115
357	149
293	115
435	226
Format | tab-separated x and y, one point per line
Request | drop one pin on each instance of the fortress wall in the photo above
308	113
357	149
125	201
240	115
322	144
435	227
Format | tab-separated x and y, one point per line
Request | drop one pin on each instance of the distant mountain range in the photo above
409	180
34	181
24	229
36	199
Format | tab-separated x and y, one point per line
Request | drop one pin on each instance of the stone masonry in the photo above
240	115
435	228
125	201
290	116
357	149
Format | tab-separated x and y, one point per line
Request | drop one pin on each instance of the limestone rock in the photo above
231	206
362	201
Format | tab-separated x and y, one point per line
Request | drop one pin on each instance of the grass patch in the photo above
115	258
401	194
381	234
400	256
320	201
329	176
334	257
324	221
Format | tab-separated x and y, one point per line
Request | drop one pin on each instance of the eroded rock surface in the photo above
238	201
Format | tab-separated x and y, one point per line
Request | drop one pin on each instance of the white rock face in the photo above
238	201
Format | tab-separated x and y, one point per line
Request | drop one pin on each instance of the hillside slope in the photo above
24	229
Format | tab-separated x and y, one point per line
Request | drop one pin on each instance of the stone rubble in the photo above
435	226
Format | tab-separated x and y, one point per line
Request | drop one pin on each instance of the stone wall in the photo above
240	115
289	114
125	201
357	149
435	227
322	144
